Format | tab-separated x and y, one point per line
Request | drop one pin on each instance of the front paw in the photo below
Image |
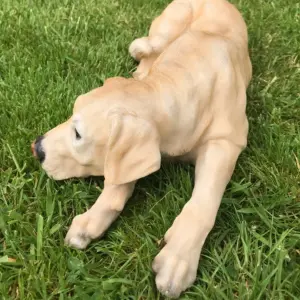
177	263
174	273
81	231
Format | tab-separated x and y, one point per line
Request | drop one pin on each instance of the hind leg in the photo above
144	67
163	31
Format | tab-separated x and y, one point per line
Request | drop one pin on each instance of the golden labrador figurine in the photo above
187	100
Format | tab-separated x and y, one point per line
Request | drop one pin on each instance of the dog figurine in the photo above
187	101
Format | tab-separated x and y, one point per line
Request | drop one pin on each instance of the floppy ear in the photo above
133	149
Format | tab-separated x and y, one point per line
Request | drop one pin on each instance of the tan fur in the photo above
187	101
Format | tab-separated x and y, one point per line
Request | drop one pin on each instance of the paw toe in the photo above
78	242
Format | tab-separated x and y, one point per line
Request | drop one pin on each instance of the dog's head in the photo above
102	137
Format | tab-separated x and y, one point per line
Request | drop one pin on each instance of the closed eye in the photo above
77	135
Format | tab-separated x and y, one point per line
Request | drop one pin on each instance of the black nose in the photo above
37	149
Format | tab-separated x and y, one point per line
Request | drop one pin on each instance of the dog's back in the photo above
221	18
216	18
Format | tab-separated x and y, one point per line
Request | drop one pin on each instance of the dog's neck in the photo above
147	99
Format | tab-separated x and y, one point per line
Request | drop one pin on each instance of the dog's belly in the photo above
189	158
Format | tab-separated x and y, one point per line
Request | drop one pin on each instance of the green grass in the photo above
52	51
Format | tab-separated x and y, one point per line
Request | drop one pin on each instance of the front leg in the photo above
177	263
93	223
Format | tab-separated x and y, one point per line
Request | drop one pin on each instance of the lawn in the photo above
51	52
